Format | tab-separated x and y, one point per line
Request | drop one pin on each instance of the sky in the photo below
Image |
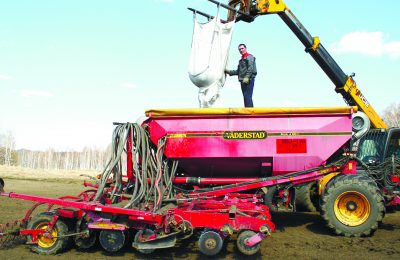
70	68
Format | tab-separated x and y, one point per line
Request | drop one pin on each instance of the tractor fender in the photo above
323	182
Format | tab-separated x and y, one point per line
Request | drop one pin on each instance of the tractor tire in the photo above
270	199
276	203
48	246
306	199
353	206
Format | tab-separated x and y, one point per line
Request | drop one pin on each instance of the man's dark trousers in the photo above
247	90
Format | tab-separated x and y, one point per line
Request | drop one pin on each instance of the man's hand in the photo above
246	80
227	72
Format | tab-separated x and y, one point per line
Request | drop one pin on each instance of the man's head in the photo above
242	48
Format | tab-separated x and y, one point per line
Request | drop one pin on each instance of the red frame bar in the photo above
206	181
216	220
147	216
266	183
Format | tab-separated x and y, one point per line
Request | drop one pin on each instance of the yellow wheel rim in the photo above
352	208
45	241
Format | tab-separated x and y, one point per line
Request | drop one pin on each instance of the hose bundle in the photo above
151	182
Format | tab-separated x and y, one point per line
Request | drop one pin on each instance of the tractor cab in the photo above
378	145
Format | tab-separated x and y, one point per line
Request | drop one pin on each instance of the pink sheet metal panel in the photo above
259	143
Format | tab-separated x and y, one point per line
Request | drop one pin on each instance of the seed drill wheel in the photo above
210	243
353	206
87	240
112	240
46	244
141	236
243	248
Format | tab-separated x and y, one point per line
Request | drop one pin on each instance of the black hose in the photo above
152	177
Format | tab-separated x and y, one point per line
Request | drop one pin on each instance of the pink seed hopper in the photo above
250	142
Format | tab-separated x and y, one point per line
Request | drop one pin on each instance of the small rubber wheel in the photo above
210	243
48	245
141	236
243	248
112	240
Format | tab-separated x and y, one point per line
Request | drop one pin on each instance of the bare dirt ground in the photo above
298	235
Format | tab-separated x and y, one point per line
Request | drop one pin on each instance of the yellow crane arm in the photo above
345	85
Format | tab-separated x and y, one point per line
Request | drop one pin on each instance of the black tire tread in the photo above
62	229
303	198
367	185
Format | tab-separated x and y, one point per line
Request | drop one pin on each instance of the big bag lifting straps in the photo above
209	55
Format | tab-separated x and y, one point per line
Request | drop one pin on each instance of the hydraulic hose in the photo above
151	182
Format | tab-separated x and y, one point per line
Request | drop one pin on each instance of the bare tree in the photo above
391	115
7	143
89	159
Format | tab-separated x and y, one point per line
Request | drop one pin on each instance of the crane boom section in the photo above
350	89
344	84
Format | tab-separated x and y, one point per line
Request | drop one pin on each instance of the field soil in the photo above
298	235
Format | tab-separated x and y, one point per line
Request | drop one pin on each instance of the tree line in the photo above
90	158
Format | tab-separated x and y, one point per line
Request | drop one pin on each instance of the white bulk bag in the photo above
209	55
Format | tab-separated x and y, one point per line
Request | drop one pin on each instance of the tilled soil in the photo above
298	235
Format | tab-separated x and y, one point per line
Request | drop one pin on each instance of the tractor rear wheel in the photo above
271	199
353	206
307	197
45	244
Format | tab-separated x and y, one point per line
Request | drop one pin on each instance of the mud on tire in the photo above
48	246
353	206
